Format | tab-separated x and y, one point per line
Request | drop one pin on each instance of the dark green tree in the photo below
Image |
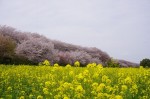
145	62
7	47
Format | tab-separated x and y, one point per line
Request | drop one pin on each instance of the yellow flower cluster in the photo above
57	82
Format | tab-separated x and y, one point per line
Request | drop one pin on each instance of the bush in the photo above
20	60
145	62
7	46
112	63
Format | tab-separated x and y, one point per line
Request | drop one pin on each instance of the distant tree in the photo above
124	63
70	57
83	57
18	36
21	60
97	54
64	58
145	62
7	46
36	50
62	46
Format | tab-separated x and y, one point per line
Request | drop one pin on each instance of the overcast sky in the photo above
119	27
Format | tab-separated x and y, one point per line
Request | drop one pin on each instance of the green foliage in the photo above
112	63
145	62
20	60
7	45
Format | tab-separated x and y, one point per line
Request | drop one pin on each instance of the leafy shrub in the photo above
145	62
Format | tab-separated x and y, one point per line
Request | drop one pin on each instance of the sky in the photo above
119	27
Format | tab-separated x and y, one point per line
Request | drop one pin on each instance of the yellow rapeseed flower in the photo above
46	63
30	96
85	73
101	87
104	78
109	89
39	97
79	89
134	89
66	97
108	81
45	91
71	73
56	65
47	84
118	97
22	97
95	76
68	66
94	85
124	88
100	65
99	95
77	64
128	80
80	76
9	89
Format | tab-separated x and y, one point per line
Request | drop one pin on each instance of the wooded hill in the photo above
17	47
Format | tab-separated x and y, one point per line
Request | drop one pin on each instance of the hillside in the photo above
35	48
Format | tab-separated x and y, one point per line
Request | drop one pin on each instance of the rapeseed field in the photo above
57	82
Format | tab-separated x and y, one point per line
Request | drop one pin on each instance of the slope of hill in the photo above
36	48
125	63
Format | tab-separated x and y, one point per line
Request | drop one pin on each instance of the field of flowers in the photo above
91	82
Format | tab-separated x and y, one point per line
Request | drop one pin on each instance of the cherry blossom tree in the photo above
36	50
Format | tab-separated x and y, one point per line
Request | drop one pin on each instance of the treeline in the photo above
18	47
